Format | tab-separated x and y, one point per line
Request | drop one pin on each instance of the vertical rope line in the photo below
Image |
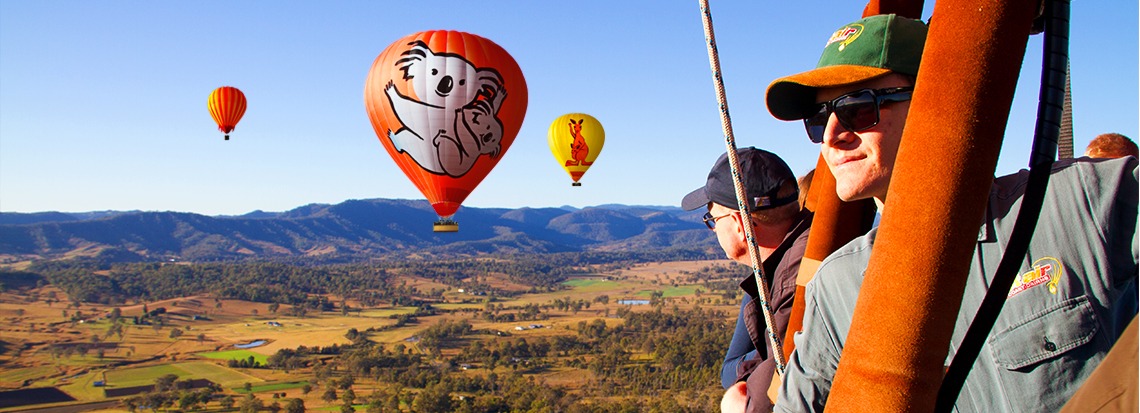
741	197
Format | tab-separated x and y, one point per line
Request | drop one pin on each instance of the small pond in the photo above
251	344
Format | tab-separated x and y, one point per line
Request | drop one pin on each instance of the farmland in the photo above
48	343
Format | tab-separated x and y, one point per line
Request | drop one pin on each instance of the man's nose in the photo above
835	134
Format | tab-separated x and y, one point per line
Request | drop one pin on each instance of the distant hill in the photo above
348	231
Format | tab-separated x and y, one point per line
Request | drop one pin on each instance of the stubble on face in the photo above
726	232
862	162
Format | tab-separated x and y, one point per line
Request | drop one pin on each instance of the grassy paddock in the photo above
272	387
193	370
386	312
143	375
222	375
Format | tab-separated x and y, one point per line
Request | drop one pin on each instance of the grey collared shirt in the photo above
1075	295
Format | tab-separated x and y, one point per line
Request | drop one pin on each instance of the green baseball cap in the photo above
860	51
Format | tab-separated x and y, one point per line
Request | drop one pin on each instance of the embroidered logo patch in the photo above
1047	270
845	35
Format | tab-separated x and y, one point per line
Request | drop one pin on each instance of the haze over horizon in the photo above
425	205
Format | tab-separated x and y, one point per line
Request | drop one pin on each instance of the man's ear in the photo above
739	221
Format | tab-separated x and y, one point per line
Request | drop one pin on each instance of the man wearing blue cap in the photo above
780	228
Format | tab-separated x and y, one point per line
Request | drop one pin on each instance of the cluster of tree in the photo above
290	359
19	280
438	336
169	392
246	363
91	281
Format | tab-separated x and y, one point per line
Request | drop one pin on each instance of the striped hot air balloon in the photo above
227	105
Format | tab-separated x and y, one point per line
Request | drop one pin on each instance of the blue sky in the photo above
103	104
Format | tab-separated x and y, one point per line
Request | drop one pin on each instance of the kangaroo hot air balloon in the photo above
227	105
576	139
446	105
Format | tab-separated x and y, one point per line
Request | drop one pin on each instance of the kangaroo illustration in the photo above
578	148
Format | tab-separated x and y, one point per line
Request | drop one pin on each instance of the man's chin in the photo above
849	195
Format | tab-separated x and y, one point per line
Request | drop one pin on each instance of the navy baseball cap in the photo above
762	174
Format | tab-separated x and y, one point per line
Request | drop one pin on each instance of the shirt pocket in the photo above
1039	357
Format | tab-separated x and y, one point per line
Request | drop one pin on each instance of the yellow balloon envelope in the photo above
576	139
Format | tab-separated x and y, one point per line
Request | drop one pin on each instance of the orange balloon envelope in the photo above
227	105
446	105
576	139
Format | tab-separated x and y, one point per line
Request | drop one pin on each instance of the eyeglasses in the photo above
856	111
710	221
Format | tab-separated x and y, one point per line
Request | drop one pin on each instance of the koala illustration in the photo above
453	117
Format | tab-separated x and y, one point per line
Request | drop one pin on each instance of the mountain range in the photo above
348	231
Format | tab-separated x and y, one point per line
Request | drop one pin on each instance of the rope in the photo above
741	198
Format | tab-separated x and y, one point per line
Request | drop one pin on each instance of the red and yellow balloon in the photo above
446	105
576	139
227	105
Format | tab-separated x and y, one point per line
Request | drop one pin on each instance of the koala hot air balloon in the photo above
446	105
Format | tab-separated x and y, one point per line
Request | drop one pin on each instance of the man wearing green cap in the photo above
1077	291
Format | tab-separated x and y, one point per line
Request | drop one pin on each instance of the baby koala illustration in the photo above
453	117
578	148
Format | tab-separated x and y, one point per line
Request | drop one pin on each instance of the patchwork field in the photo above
40	340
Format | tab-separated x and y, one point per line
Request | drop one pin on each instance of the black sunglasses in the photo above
710	220
856	111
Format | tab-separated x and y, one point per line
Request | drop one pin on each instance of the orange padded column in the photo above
895	353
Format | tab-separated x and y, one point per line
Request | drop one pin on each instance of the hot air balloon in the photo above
227	105
446	105
576	139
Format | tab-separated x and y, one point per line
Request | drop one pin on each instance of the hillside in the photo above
348	231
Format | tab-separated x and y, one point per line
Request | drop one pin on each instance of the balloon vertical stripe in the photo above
227	106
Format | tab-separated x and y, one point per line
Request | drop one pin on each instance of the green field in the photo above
193	370
142	376
272	387
234	355
386	312
222	375
19	375
583	282
680	291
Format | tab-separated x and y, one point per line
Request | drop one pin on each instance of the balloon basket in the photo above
227	137
445	225
576	184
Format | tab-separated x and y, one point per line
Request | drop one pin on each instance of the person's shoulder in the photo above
1081	172
1099	166
844	268
853	250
